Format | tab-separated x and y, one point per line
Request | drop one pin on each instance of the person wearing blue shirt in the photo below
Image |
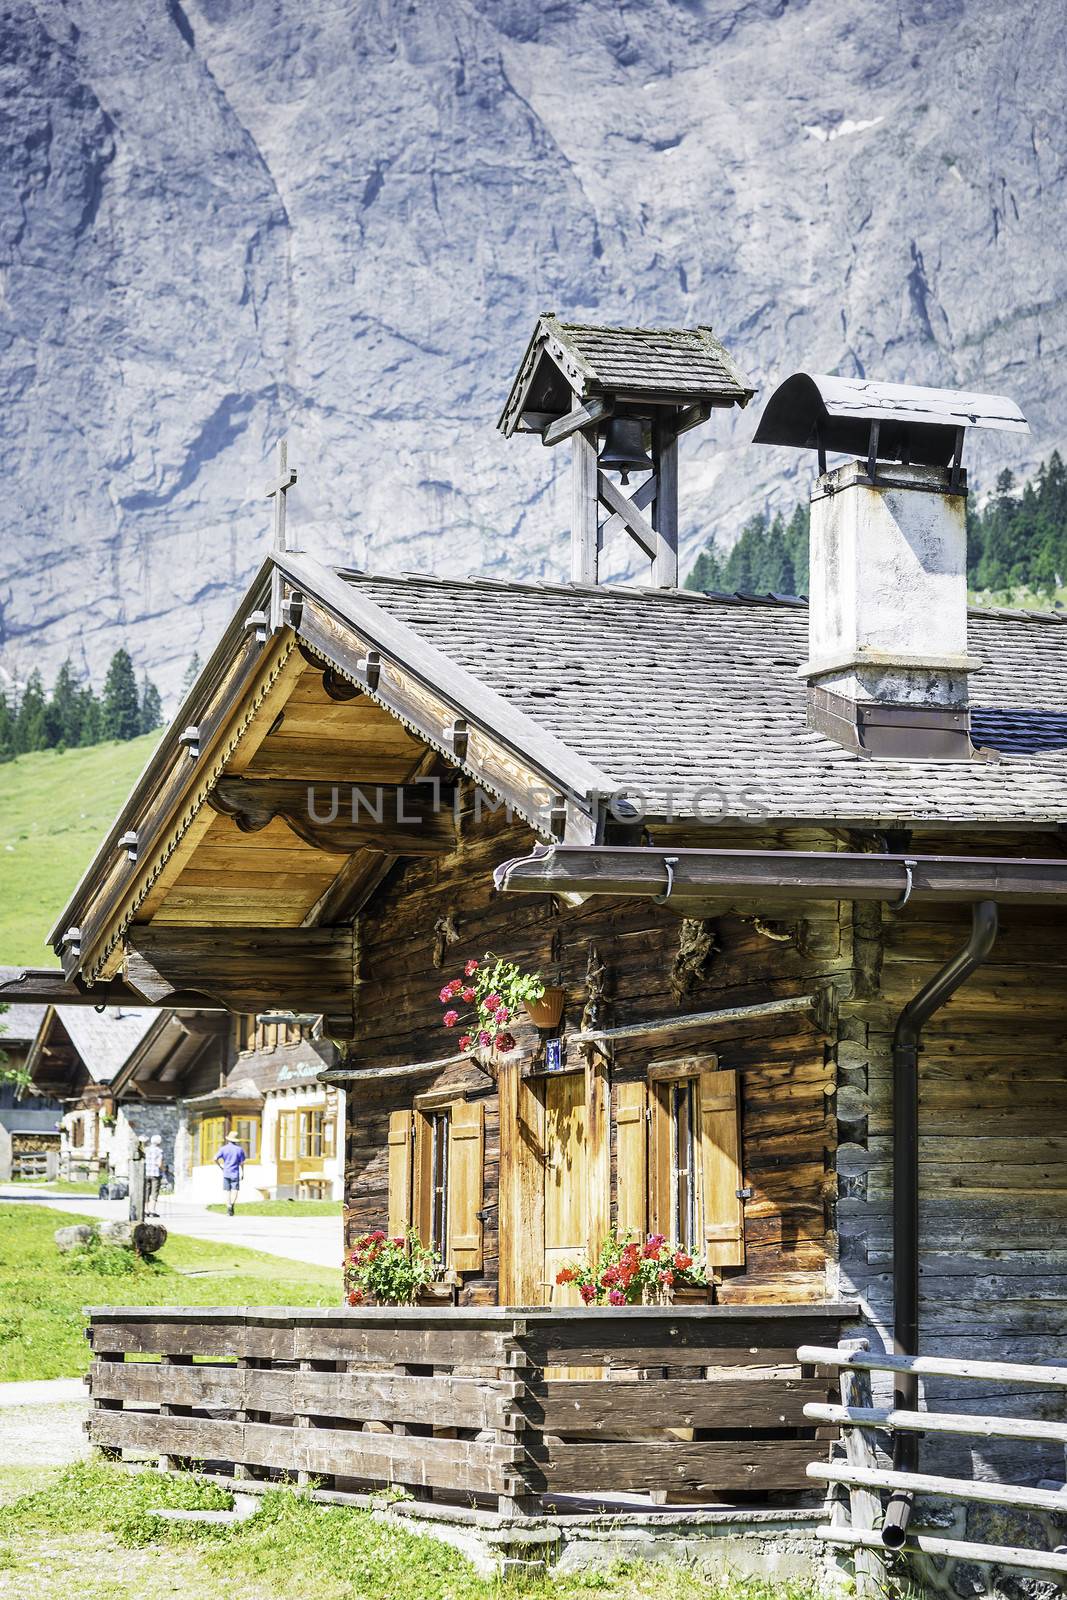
231	1158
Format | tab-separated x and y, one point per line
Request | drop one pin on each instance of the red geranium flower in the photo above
485	1039
471	968
450	1019
501	1014
667	1276
492	1002
455	986
587	1292
617	1297
354	1297
682	1261
566	1275
446	994
465	1041
505	1042
468	995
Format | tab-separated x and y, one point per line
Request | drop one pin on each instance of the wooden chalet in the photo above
761	846
29	1122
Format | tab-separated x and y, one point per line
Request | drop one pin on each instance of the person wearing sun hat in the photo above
231	1158
153	1175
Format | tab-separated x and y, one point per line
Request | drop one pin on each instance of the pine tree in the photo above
151	709
30	721
90	716
121	709
7	727
192	672
63	716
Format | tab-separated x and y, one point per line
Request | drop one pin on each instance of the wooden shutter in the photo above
631	1158
720	1157
465	1176
399	1172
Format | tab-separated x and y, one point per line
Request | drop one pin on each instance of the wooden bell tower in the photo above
622	396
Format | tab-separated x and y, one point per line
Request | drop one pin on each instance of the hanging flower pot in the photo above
546	1011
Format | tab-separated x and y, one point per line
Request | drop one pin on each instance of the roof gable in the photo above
565	361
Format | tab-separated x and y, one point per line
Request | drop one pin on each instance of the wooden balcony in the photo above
504	1410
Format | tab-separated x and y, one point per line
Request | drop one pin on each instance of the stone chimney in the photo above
622	397
888	664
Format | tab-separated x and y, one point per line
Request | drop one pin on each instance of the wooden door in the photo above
287	1149
566	1182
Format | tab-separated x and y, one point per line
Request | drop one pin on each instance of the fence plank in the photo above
466	1465
939	1422
699	1467
1052	1377
352	1396
986	1554
610	1406
983	1493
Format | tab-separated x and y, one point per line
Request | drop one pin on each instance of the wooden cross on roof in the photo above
277	492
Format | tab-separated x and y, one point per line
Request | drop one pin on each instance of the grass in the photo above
43	1294
58	1186
90	1530
55	808
286	1208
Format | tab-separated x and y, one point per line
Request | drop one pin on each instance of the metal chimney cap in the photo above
810	410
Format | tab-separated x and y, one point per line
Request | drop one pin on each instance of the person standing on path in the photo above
153	1175
231	1158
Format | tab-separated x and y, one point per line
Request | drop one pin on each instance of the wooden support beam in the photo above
637	524
642	498
403	819
49	986
665	510
698	1019
583	416
584	515
246	969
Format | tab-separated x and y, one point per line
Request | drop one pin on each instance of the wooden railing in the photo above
490	1408
864	1476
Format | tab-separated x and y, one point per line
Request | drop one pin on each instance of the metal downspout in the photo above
906	1036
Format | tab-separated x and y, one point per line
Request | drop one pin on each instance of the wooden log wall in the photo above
786	1066
993	1156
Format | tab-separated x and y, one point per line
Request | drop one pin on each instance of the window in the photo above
683	1174
694	1158
76	1133
287	1139
213	1131
431	1166
436	1177
312	1141
247	1131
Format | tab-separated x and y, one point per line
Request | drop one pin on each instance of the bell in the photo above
624	447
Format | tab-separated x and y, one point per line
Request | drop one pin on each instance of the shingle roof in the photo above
19	1024
675	360
680	693
105	1039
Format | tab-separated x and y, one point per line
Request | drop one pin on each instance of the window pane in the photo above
683	1152
439	1181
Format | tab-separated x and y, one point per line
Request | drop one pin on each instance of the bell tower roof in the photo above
569	361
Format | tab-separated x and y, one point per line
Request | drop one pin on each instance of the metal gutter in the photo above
781	877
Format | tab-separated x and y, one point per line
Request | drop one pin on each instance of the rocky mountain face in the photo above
225	220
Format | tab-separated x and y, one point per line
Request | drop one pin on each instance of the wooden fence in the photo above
864	1476
467	1406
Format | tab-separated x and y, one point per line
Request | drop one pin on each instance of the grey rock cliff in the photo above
225	219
